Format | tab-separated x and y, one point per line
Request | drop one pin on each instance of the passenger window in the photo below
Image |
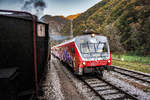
73	51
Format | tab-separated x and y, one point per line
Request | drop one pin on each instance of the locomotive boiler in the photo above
23	54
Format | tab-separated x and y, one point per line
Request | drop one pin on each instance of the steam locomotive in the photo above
85	54
23	54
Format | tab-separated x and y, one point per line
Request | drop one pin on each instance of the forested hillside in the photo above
72	17
56	23
125	22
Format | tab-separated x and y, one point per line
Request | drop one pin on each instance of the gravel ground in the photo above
58	86
80	86
141	95
137	83
61	84
82	89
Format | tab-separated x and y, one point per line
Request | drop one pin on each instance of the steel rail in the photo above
137	73
96	92
120	90
131	71
126	95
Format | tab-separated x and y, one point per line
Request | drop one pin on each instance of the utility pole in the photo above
71	29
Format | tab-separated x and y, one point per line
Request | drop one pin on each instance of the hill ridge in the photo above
125	22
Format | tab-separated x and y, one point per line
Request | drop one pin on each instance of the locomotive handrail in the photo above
34	43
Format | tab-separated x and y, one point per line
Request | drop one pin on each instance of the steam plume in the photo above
34	6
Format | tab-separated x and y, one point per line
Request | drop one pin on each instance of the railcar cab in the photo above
95	53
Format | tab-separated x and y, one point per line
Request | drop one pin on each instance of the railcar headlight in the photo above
92	35
84	63
108	61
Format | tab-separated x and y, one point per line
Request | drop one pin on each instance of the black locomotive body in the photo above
18	49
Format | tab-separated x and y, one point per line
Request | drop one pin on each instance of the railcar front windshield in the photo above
94	50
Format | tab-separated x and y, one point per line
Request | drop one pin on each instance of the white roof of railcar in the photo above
84	37
66	42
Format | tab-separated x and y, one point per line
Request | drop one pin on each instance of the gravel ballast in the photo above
62	84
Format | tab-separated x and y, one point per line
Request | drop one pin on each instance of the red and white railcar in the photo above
86	53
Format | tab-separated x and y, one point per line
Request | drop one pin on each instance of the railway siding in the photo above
138	79
133	74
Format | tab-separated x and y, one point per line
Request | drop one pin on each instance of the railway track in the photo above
105	90
133	74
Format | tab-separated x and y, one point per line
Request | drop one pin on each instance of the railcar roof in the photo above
87	37
83	37
66	42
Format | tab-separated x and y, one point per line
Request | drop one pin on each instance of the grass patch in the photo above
132	58
132	65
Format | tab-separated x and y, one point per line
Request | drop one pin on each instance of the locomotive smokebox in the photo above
17	53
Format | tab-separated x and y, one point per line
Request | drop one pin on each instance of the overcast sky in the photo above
53	7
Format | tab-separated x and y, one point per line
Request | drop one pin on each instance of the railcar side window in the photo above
73	50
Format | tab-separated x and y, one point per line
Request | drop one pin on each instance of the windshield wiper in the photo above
88	45
98	44
94	47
